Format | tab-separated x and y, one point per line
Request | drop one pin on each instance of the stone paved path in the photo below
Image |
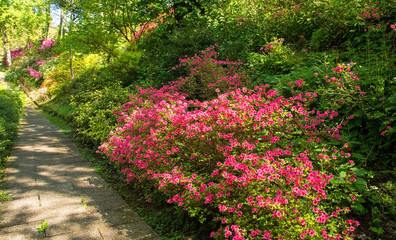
50	181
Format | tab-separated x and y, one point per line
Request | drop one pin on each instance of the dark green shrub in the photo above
166	45
93	110
10	111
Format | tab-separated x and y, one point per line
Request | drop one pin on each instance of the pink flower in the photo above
353	197
392	26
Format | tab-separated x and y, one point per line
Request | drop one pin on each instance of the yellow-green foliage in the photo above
128	57
96	94
57	75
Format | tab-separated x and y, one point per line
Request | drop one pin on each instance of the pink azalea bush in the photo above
209	76
34	73
250	159
45	44
14	54
40	62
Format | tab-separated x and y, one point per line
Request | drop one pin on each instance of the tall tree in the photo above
5	4
21	21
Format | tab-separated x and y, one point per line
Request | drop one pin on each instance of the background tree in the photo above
21	22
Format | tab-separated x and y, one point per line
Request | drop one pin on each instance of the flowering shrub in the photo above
342	88
209	76
39	95
14	54
45	44
33	73
40	62
146	28
274	57
354	96
257	163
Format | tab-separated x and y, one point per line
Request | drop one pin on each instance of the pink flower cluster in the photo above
393	27
371	16
34	73
273	45
145	28
208	76
45	44
345	81
241	20
40	62
14	54
370	13
282	11
235	153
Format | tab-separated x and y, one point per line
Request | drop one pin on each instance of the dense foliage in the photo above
261	119
10	112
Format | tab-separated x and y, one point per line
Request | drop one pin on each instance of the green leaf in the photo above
379	230
359	208
358	156
359	171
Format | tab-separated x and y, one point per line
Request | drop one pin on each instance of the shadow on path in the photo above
50	181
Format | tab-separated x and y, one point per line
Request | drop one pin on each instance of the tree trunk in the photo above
71	51
47	27
6	44
65	23
71	65
60	24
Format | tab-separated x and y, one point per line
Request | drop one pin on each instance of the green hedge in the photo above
10	111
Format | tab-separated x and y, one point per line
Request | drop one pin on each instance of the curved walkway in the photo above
50	181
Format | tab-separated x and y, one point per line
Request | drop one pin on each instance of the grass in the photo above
57	121
59	109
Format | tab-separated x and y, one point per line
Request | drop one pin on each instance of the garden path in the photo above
50	181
